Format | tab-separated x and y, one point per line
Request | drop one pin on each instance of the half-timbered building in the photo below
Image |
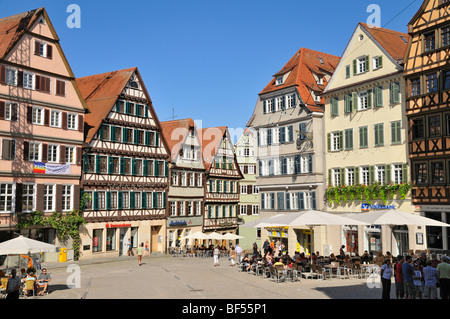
222	181
41	125
125	166
427	76
186	182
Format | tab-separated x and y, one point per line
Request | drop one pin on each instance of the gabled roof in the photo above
395	43
175	133
301	66
419	12
100	93
12	28
211	139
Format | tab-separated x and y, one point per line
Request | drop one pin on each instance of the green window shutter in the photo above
155	200
404	173
157	139
138	109
396	137
347	71
300	201
85	163
367	63
120	200
371	174
166	169
95	201
396	92
135	137
145	168
124	135
209	211
127	108
356	171
146	111
164	203
330	177
144	200
387	169
291	133
369	99
156	170
341	140
108	200
379	134
342	176
133	167
354	101
378	96
355	67
97	164
334	107
132	200
122	166
329	142
347	103
100	132
147	138
113	133
110	165
380	61
349	139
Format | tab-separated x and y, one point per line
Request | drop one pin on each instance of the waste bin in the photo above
63	255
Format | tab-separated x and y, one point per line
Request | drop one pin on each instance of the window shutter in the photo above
341	140
369	99
144	200
404	173
313	200
46	117
120	200
291	133
356	171
367	63
354	101
371	174
2	110
288	201
273	106
264	107
387	169
95	201
330	177
44	152
329	142
145	168
272	200
62	154
263	201
80	123
132	200
108	200
155	200
334	106
19	192
342	177
157	139
354	67
269	136
310	163
300	201
49	51
380	61
122	166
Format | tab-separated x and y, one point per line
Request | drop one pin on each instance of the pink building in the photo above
41	123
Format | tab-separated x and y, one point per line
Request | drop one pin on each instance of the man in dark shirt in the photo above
408	273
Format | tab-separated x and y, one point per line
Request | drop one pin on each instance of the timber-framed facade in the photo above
427	76
125	166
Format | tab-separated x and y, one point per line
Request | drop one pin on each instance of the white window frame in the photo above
380	174
375	63
55	118
67	197
42	48
349	176
397	173
26	195
173	208
53	150
48	197
363	101
29	80
279	80
361	66
11	72
335	141
74	121
336	176
32	151
38	115
73	152
9	108
199	179
9	196
182	208
364	175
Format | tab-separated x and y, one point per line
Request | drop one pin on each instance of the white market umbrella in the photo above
310	219
261	222
197	235
392	218
23	245
215	235
230	236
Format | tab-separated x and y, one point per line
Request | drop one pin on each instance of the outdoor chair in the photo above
297	272
30	288
317	271
357	271
266	271
279	274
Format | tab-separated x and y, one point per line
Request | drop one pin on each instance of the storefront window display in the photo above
97	241
111	239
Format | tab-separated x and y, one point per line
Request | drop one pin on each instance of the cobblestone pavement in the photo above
167	277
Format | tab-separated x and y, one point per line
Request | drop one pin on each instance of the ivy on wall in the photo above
66	224
375	191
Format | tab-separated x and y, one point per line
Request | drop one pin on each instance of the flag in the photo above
39	168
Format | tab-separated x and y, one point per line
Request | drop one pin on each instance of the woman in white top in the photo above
386	275
216	256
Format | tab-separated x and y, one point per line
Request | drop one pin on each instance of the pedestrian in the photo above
233	256
216	256
386	275
238	253
430	276
13	286
417	279
129	248
266	246
140	252
147	249
408	273
399	285
255	249
444	277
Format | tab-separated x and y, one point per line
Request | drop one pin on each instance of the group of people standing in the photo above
416	279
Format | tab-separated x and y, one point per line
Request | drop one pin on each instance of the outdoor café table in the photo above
333	269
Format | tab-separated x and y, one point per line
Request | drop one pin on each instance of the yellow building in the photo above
366	141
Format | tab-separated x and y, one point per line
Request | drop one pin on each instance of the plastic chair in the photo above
30	286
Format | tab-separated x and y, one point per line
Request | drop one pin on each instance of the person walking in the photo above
266	246
238	253
13	286
129	248
216	256
386	275
233	256
140	252
430	276
444	277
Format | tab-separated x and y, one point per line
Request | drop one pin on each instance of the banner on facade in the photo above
55	169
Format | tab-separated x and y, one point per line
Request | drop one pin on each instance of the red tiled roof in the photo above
175	133
13	27
302	65
390	40
100	93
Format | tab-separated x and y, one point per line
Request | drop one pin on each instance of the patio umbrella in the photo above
23	245
215	235
310	219
393	218
196	235
231	236
261	222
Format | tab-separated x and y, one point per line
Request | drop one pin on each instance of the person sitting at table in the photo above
379	260
342	252
246	263
269	259
43	280
332	257
365	257
278	262
31	277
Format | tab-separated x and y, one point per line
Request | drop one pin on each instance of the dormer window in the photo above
320	80
279	80
43	49
133	84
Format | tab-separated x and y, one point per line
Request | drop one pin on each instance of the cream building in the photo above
366	140
245	150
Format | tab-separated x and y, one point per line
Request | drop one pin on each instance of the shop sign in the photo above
278	231
177	222
368	207
108	225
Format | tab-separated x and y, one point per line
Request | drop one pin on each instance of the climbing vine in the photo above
66	224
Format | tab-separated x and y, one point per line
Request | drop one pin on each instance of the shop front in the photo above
279	234
110	239
372	239
180	227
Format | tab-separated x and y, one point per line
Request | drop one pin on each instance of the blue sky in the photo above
207	59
